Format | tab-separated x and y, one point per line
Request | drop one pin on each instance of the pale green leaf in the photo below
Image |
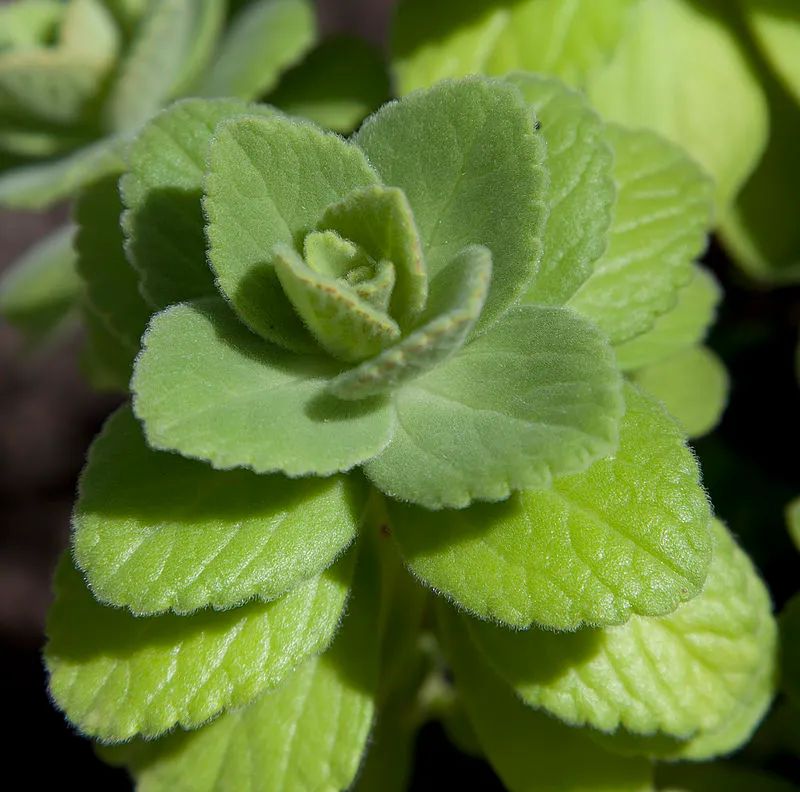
268	183
776	27
707	100
115	675
29	24
206	386
582	193
677	674
89	31
39	292
630	535
693	385
470	163
682	327
162	190
720	777
458	296
661	222
265	38
530	751
39	185
790	648
453	38
156	532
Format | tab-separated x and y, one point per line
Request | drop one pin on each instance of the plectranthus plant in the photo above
386	458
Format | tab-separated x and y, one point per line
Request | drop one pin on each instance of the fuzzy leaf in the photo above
530	751
265	38
206	386
630	535
682	327
452	39
476	179
39	292
156	532
720	118
693	385
458	298
268	183
677	674
661	222
582	193
162	191
115	675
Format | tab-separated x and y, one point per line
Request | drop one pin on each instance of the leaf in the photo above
88	30
265	38
105	361
157	532
310	733
530	751
337	85
720	777
708	100
693	385
477	178
28	24
39	292
268	183
678	674
535	398
452	39
661	222
630	535
208	388
42	184
461	290
115	675
790	648
682	327
793	521
581	194
162	190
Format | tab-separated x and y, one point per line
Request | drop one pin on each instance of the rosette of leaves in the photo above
371	370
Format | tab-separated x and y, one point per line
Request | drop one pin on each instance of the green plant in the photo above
416	340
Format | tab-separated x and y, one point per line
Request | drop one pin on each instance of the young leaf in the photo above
581	194
205	386
156	532
268	183
530	751
692	385
721	119
265	38
162	191
536	397
115	675
479	149
661	222
678	674
629	535
682	327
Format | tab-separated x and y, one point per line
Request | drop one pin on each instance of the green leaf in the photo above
793	521
630	535
693	385
682	327
265	38
678	674
162	190
337	85
208	388
39	292
268	183
470	163
776	27
530	751
37	186
156	532
535	398
106	360
661	222
310	733
452	39
720	777
708	100
581	194
116	675
790	648
29	24
459	294
89	31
